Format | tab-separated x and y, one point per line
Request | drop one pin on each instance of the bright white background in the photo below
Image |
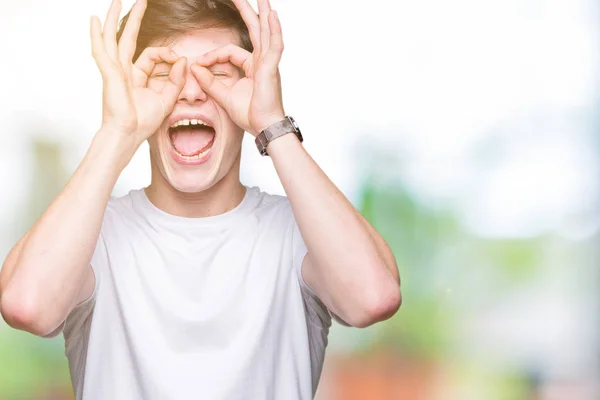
434	79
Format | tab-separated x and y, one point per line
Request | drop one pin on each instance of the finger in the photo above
174	86
102	59
110	28
211	86
128	41
252	22
155	55
264	9
227	54
273	56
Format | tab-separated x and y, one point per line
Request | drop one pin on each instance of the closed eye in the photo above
161	70
221	71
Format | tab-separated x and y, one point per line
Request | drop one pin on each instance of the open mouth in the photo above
191	139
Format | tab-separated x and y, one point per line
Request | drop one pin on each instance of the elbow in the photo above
22	313
380	307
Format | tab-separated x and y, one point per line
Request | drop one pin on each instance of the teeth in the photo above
188	122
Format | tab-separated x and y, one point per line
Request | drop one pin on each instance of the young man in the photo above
196	286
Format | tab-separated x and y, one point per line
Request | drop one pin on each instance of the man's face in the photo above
197	144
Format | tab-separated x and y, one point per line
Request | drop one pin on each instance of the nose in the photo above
192	92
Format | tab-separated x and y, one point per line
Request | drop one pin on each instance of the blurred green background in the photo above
467	133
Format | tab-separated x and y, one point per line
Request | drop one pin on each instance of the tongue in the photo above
190	141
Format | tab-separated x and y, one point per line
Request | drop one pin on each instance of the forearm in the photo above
350	255
43	273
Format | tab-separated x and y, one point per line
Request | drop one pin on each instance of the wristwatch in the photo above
288	125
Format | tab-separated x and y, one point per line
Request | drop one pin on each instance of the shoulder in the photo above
125	202
121	213
266	199
270	205
124	205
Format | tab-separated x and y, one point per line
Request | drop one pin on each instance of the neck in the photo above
223	196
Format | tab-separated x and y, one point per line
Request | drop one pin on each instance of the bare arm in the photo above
349	266
48	272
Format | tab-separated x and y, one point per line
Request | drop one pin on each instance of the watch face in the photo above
295	125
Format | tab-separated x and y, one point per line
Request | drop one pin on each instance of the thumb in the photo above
211	86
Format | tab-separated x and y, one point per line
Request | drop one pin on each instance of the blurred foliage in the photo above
468	380
412	231
30	364
438	257
519	259
48	178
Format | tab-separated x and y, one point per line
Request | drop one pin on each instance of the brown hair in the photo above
166	20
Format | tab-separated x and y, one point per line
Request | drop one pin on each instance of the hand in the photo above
129	106
254	102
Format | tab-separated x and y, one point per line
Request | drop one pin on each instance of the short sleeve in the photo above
79	316
315	306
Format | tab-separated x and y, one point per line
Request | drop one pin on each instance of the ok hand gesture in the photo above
254	102
129	106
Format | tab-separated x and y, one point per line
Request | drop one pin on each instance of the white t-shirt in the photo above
198	308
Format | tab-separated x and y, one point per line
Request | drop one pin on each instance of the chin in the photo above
187	183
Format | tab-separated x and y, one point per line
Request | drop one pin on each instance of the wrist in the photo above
113	148
275	131
283	146
267	122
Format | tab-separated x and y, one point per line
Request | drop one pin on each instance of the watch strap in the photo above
278	129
